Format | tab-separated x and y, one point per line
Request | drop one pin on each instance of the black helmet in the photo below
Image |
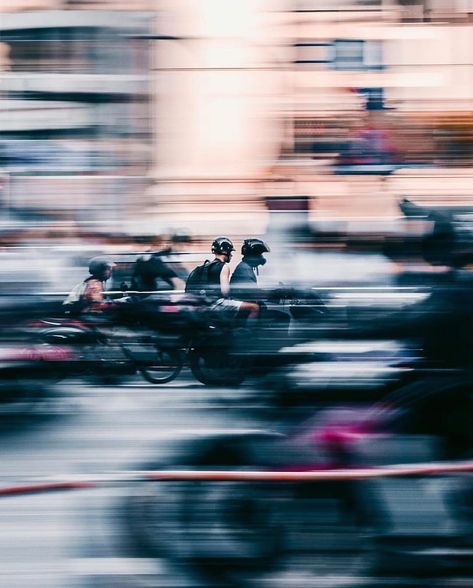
99	265
252	251
222	246
254	248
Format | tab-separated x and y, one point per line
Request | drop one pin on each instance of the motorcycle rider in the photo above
150	269
444	320
88	296
244	286
244	281
218	281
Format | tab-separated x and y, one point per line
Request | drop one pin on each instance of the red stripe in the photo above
420	469
45	487
333	474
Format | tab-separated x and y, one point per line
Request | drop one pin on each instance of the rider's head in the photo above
252	251
180	240
223	246
101	268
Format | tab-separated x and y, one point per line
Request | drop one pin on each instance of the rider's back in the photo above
150	271
206	278
243	282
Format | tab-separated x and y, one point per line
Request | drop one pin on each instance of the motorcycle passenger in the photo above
218	275
244	286
218	281
244	281
88	296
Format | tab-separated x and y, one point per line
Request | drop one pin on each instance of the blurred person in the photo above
214	278
370	143
151	269
88	296
178	248
444	320
244	281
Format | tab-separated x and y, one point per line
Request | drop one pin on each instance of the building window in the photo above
357	55
68	50
342	54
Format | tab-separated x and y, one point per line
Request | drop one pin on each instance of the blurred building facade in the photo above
74	113
350	104
176	112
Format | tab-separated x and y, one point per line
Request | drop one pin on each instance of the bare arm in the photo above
225	280
178	284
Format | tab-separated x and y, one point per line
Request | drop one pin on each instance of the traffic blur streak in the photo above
237	527
332	473
238	533
399	528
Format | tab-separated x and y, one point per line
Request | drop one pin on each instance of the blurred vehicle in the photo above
28	374
235	532
109	345
405	526
334	371
226	351
155	334
390	336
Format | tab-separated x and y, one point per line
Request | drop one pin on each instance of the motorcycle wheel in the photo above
220	530
166	368
216	371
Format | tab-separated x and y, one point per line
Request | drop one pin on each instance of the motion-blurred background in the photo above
137	117
339	132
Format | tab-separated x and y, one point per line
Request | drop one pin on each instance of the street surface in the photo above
76	539
72	538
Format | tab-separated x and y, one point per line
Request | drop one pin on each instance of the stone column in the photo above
218	85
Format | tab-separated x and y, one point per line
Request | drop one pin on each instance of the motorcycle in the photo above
224	352
107	348
236	533
155	335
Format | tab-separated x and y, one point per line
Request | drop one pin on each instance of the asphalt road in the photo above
73	538
76	539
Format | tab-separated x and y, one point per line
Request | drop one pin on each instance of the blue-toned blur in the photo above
236	293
